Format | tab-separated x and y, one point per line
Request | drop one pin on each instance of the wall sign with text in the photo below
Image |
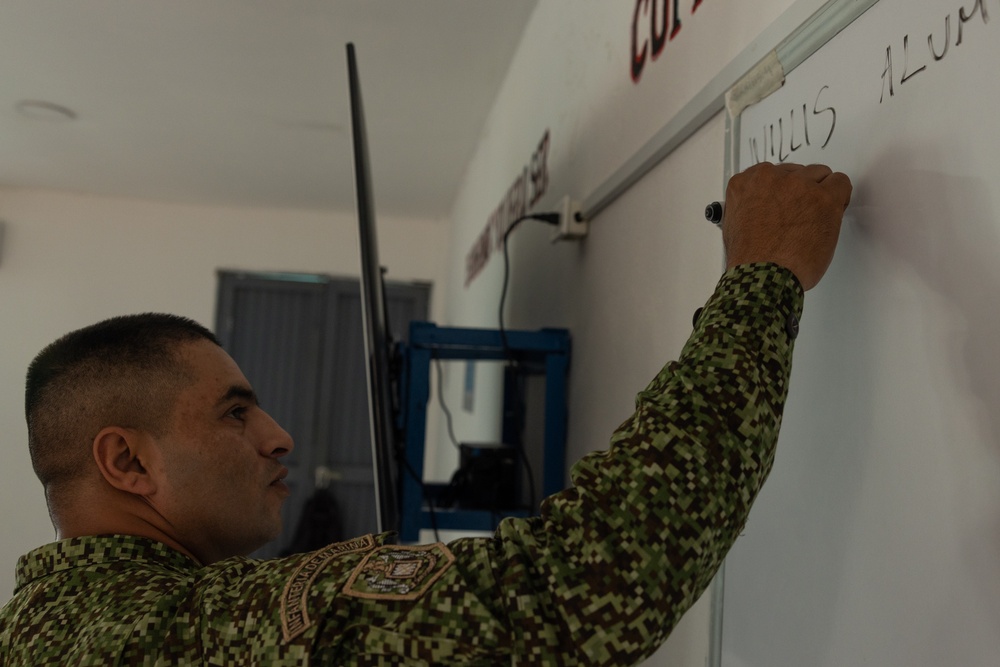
526	190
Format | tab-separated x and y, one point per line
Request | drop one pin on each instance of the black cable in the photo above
550	218
531	481
444	406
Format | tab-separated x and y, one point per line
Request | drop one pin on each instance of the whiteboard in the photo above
876	540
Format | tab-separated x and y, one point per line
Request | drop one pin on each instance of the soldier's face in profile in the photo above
220	479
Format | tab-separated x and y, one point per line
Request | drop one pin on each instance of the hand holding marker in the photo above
785	214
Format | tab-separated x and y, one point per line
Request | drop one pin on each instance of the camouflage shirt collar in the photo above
95	550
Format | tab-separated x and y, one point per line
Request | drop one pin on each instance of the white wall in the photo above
71	260
628	291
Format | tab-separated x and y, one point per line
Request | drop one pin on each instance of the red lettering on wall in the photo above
654	23
540	170
638	58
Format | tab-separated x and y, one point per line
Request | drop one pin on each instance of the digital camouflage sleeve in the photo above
599	578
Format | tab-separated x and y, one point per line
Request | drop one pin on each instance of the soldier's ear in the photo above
121	454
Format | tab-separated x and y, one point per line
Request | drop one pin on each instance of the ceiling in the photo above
245	102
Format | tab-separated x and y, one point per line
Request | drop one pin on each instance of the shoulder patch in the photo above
294	616
399	572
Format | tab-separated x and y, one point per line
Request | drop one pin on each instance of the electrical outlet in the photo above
572	226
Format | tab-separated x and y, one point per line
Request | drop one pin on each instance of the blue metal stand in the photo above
543	352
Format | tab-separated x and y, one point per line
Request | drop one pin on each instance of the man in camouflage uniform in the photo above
161	472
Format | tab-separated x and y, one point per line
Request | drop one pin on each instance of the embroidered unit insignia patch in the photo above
399	572
294	616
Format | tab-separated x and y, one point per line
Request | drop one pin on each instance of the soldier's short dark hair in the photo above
123	371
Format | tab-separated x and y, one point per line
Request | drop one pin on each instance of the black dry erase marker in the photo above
714	211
